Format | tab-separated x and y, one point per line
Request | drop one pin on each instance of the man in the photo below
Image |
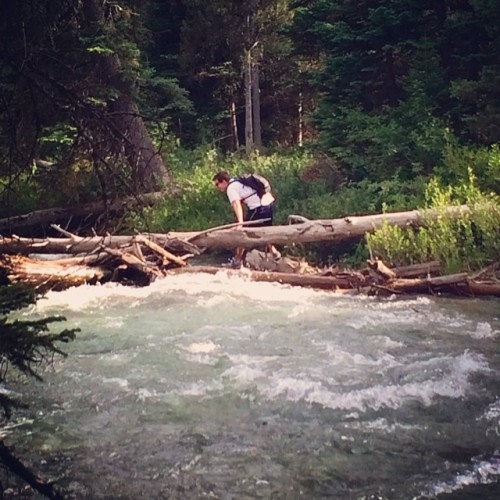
257	208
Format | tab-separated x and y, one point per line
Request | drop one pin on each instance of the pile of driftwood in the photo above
375	279
59	263
142	258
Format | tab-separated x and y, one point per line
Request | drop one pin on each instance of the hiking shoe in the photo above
233	263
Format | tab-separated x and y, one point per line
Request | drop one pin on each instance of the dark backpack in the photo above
256	182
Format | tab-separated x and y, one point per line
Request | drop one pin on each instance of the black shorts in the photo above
261	213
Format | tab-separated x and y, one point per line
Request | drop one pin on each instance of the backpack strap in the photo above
236	179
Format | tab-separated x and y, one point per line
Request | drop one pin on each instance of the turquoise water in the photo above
203	386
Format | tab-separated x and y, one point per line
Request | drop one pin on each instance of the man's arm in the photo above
238	211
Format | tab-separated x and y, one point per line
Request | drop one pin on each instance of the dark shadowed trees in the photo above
395	74
69	117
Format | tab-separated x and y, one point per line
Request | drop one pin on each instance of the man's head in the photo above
221	180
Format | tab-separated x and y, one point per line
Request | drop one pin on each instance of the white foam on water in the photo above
384	425
452	385
483	472
90	296
243	375
198	389
298	310
200	352
201	359
113	322
493	411
201	347
221	286
144	394
395	302
484	331
385	343
340	357
119	382
374	318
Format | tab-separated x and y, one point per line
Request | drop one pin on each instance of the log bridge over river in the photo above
72	260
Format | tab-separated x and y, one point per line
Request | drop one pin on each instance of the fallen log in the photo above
51	274
359	282
86	245
128	264
50	215
343	282
425	284
333	230
315	231
481	289
167	256
454	284
150	255
116	265
418	270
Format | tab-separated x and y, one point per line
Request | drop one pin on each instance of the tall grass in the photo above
302	183
460	244
314	187
198	205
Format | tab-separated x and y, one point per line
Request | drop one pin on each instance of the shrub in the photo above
464	243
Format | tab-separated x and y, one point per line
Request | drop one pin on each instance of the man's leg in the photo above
273	251
239	254
267	213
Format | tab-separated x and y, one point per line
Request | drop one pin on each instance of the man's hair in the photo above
222	176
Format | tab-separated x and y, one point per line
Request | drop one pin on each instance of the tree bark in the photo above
300	111
51	275
333	230
344	282
149	170
314	231
357	282
257	131
234	125
248	103
60	214
17	467
418	270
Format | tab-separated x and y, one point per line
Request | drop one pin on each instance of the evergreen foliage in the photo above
393	75
26	346
385	94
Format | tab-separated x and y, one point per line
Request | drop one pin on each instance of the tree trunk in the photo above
51	275
300	135
60	214
333	230
248	103
149	170
234	126
357	282
257	132
321	282
314	231
47	489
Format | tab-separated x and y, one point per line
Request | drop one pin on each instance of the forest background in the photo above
348	107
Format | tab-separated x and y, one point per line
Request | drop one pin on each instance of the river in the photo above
202	386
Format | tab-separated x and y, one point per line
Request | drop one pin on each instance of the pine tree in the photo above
393	75
26	346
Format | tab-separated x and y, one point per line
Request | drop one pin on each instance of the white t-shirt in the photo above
238	191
